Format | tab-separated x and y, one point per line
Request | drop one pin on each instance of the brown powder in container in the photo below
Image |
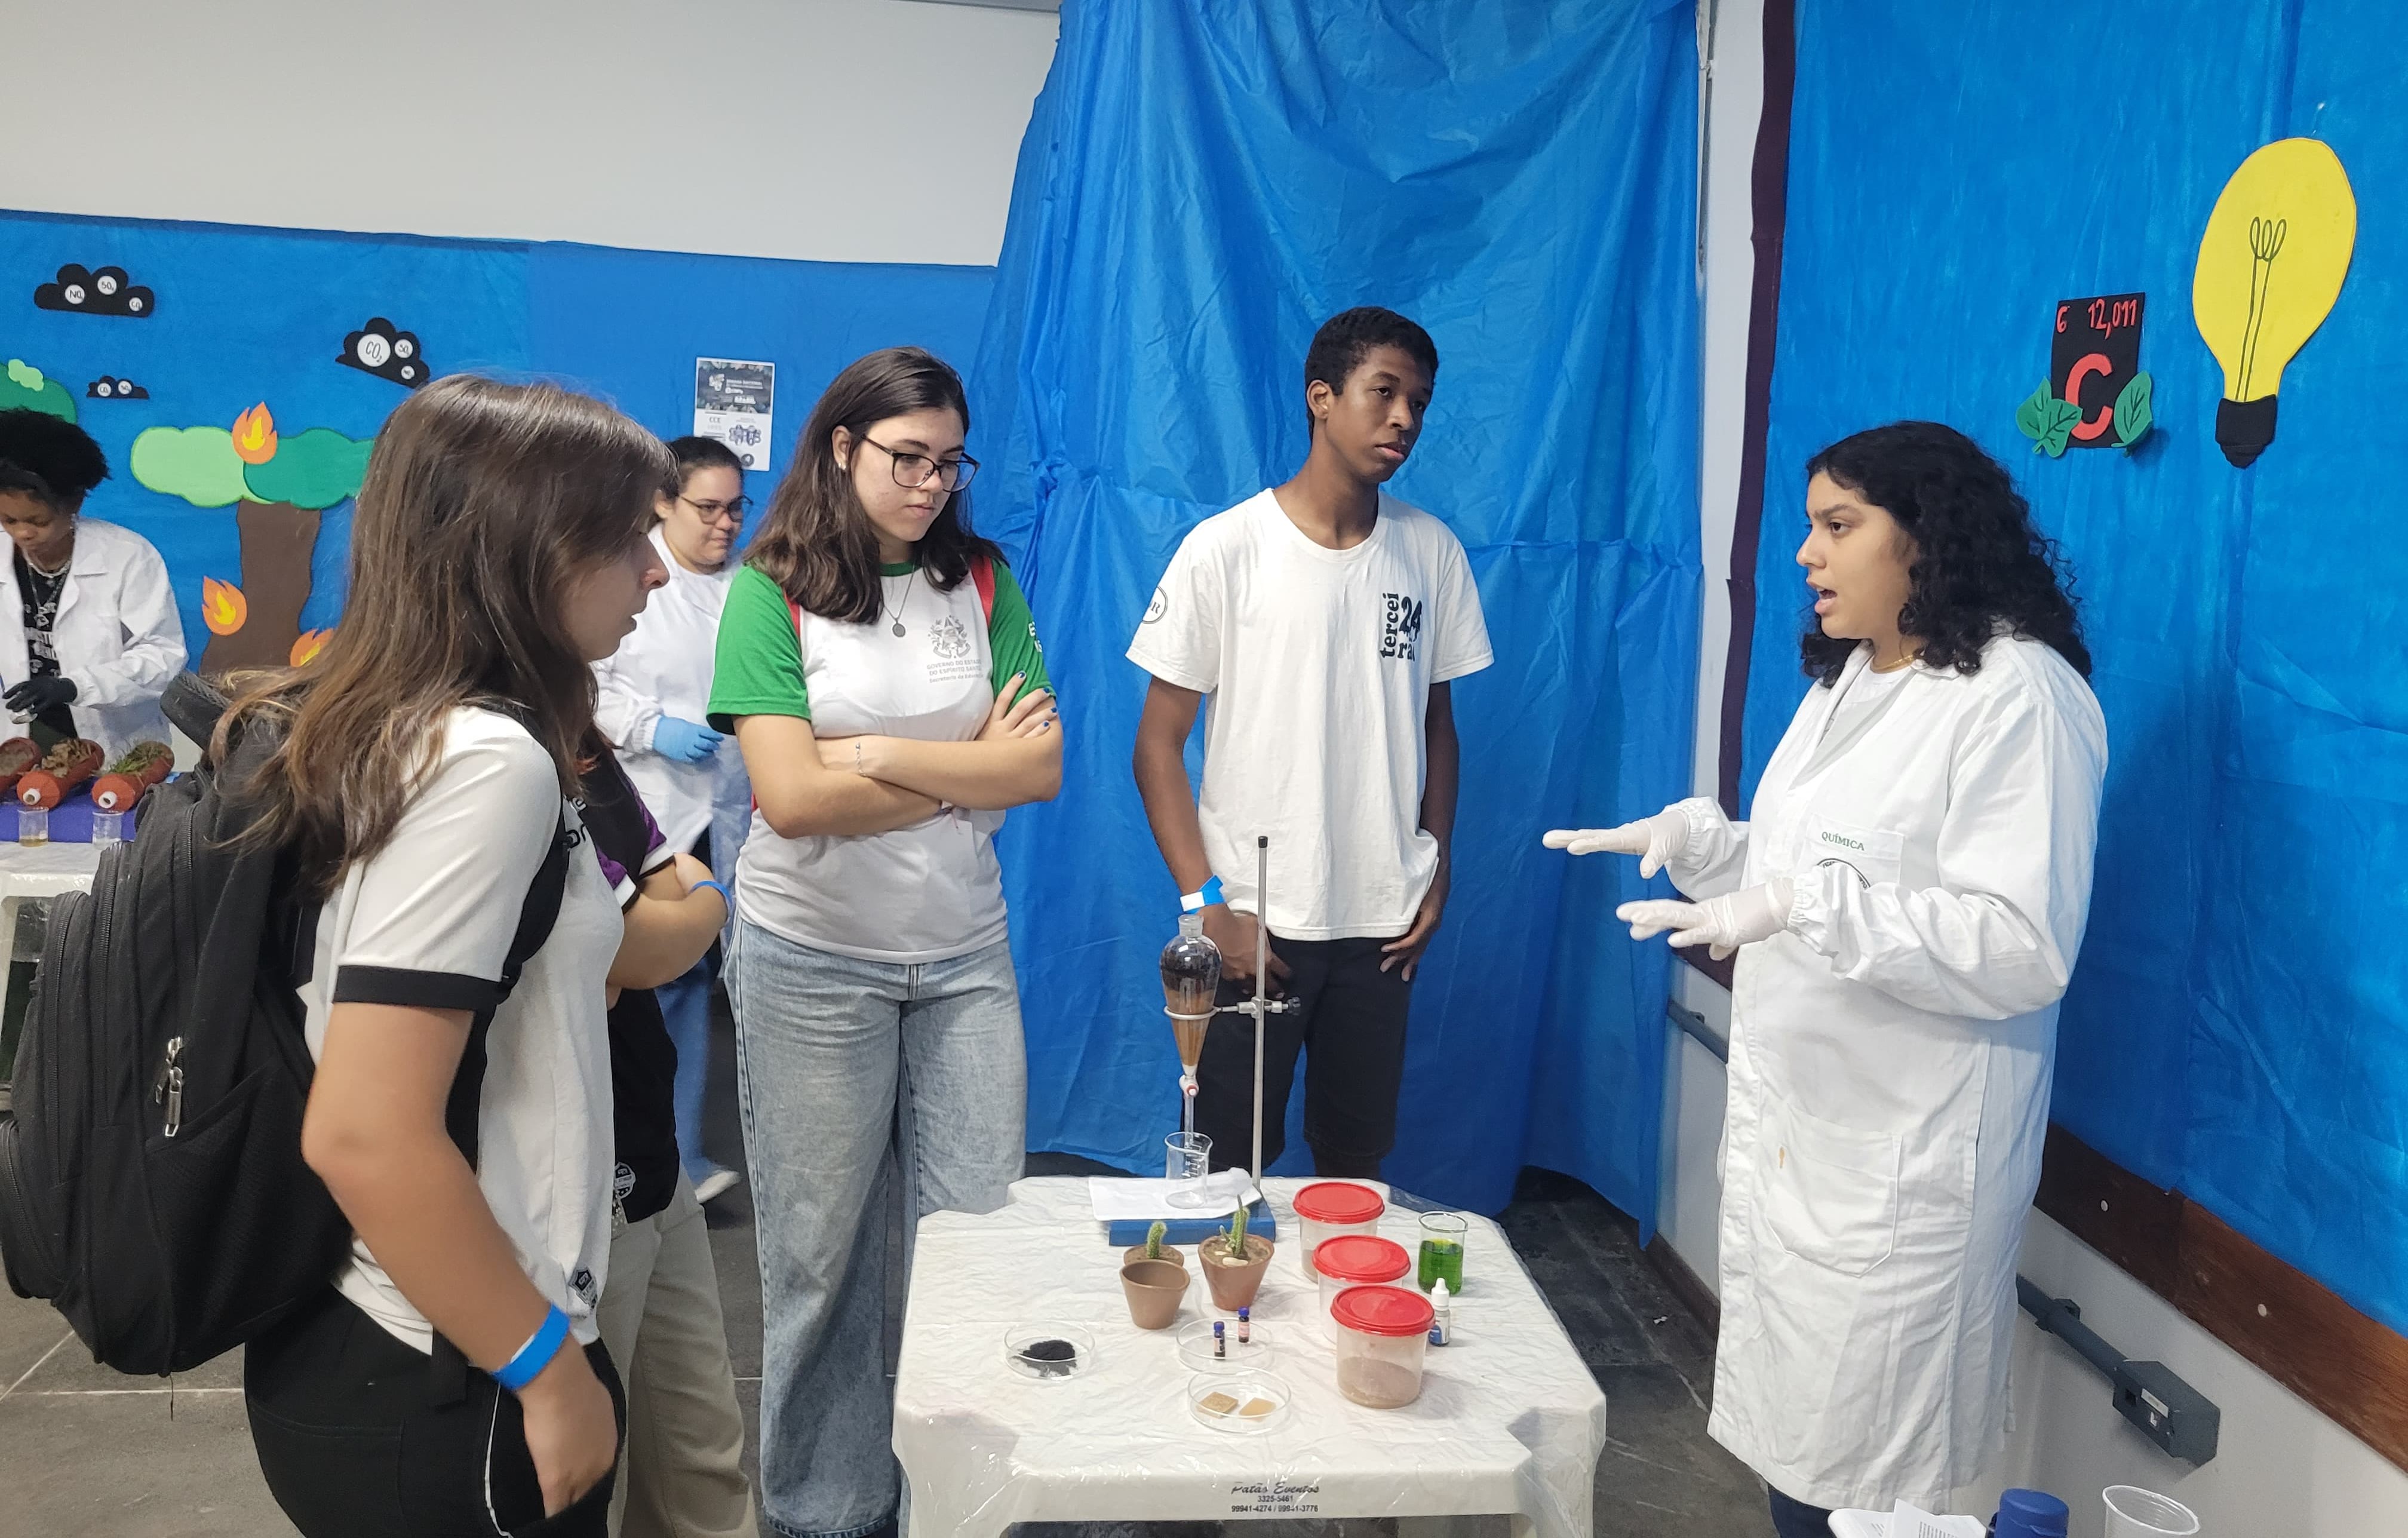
1378	1385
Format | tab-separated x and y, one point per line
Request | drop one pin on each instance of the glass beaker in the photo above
1187	1158
1443	1236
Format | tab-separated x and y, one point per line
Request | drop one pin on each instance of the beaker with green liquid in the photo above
1443	1236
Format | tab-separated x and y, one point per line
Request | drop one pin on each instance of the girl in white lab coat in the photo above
89	637
651	700
1907	904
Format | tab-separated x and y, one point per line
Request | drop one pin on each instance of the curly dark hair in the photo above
1978	563
59	454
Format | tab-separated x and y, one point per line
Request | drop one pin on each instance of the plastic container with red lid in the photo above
1382	1337
1358	1260
1332	1209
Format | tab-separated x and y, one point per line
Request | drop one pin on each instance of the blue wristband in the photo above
534	1357
725	895
1205	896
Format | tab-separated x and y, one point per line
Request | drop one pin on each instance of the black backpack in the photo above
152	1184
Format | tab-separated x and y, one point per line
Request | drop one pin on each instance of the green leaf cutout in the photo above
2047	420
2032	415
2134	415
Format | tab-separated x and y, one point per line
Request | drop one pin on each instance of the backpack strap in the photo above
448	1370
983	574
537	916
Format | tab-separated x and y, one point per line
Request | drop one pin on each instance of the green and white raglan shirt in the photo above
918	894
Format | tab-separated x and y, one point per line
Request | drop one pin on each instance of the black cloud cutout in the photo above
378	349
80	290
108	387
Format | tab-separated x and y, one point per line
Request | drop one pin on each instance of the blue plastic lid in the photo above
2031	1514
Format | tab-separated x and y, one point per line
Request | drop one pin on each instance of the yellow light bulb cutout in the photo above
2271	266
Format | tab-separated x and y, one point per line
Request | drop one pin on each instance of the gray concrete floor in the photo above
85	1453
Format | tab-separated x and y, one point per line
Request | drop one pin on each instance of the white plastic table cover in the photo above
38	871
1509	1420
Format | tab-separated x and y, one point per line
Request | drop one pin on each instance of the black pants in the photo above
1352	1031
1797	1519
361	1436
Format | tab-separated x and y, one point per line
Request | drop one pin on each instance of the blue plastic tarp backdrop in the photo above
2237	1026
246	316
1203	184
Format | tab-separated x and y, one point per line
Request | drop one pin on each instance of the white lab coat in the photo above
118	636
1889	1067
664	668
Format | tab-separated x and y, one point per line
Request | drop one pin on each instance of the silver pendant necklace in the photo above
898	625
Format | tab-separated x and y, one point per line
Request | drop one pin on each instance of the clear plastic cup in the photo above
1358	1261
1331	1209
2135	1513
1382	1337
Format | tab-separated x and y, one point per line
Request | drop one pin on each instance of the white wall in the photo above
2281	1467
833	130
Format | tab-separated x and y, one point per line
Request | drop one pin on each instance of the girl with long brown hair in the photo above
452	1379
880	669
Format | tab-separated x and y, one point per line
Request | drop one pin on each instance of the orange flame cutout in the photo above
254	435
223	606
309	645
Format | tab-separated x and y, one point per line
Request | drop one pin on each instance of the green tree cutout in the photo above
279	486
24	387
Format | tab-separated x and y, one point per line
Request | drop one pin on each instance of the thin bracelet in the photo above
534	1357
725	895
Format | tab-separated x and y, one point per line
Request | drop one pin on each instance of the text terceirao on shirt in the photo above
1400	632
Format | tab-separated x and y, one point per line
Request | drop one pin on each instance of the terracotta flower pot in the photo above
1171	1253
1234	1282
1154	1289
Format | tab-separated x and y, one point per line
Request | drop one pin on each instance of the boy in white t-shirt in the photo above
1326	621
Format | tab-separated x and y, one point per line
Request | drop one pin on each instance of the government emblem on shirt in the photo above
951	641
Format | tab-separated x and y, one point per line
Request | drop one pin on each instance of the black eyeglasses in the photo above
911	471
713	511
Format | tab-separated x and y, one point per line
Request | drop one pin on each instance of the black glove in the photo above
37	694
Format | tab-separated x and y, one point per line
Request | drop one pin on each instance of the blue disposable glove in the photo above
684	742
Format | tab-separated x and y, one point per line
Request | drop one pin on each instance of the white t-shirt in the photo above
924	893
428	922
1319	664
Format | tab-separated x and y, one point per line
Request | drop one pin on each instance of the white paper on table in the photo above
1118	1198
1908	1520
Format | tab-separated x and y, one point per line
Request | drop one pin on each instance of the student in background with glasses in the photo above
880	669
652	696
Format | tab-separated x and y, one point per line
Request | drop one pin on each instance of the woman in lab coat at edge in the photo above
88	636
649	703
1906	903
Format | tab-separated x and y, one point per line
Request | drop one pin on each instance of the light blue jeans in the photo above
685	1009
873	1092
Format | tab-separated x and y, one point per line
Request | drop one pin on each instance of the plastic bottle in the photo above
1442	1320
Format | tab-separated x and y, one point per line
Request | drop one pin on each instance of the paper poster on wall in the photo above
2097	396
732	403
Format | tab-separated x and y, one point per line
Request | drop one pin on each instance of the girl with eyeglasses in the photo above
880	669
652	696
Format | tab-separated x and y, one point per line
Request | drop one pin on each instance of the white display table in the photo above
44	871
1509	1420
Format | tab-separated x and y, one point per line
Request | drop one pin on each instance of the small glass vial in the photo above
1442	1314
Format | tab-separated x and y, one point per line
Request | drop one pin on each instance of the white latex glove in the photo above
1723	924
1654	840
